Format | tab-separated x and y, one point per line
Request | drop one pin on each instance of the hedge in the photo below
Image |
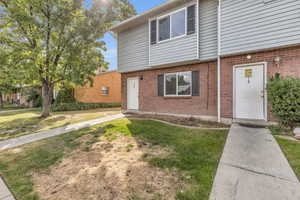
284	96
82	106
65	95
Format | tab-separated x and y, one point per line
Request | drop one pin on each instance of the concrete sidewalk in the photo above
15	142
5	194
253	167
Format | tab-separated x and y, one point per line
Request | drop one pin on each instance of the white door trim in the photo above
265	65
138	89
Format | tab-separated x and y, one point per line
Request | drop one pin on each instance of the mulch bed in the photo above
193	122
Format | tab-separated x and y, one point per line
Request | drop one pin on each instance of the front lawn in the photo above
292	151
7	107
18	123
122	159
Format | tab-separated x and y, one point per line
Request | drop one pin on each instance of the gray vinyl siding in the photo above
252	25
175	50
133	49
208	29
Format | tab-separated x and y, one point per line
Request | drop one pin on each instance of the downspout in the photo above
219	60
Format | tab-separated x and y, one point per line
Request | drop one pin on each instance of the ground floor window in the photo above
178	84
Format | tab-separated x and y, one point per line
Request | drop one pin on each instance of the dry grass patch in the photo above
111	169
122	159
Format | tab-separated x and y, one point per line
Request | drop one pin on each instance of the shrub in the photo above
65	95
82	106
35	97
284	96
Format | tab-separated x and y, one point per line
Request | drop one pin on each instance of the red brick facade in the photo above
288	66
149	101
206	103
93	94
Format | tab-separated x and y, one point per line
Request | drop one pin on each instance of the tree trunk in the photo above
47	90
1	100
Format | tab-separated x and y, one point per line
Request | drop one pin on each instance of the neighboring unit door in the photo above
249	92
132	94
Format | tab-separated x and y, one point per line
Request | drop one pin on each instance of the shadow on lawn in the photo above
20	127
7	114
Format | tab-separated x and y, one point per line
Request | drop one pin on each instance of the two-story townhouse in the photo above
209	59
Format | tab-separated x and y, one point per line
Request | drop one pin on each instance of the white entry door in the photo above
132	94
249	92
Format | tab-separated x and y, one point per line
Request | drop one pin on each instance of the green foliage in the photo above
9	77
284	96
35	97
54	41
292	151
82	106
65	95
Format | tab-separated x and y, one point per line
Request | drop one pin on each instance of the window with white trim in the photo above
171	26
176	24
105	91
178	84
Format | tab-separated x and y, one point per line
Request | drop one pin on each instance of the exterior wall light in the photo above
277	61
249	57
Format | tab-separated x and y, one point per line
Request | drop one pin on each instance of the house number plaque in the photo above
248	74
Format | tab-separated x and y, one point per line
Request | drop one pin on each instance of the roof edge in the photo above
122	25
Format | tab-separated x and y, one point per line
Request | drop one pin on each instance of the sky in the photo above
111	43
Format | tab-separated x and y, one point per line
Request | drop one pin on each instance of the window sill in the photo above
177	97
172	39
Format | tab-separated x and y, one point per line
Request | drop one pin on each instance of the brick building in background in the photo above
106	89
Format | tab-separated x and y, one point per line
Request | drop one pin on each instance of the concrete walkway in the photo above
5	194
15	142
253	167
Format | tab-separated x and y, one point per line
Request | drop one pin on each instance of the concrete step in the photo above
253	123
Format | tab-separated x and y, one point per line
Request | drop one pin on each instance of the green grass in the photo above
292	151
18	123
8	107
196	153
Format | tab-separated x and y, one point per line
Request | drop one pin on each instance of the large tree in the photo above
58	41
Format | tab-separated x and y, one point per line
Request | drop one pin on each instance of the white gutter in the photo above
219	61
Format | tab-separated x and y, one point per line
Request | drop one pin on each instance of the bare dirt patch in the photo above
181	121
109	170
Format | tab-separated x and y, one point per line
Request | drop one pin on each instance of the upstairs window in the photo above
176	24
